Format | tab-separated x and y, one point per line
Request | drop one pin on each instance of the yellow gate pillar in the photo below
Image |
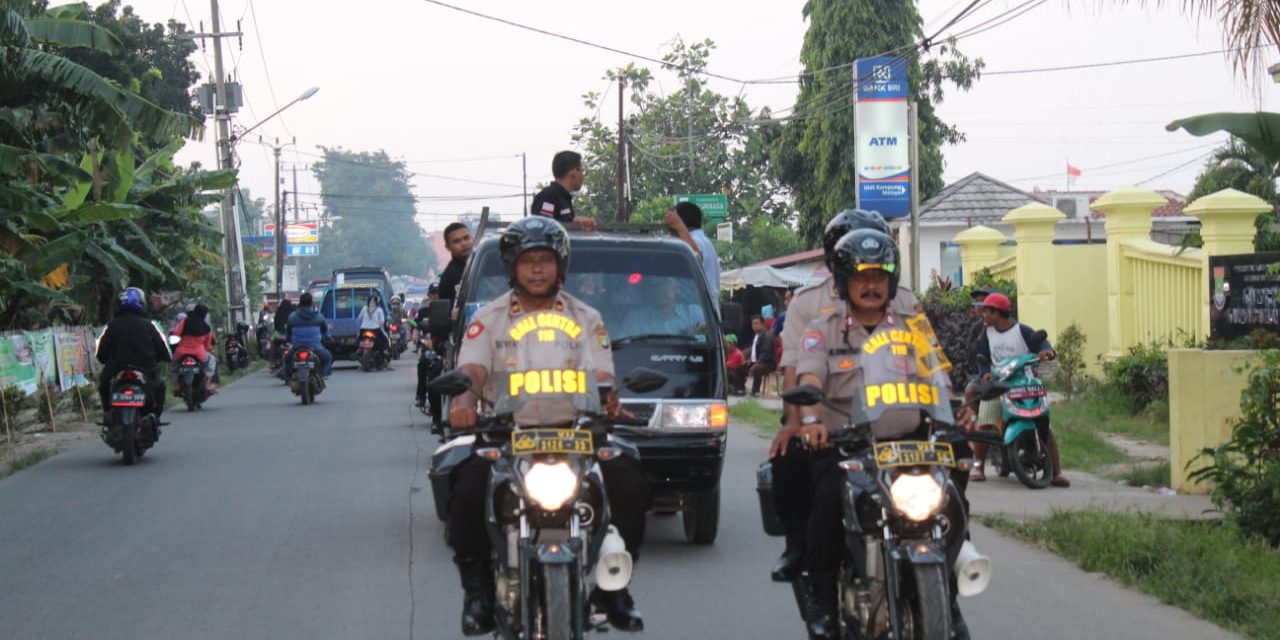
1033	225
979	249
1226	225
1128	213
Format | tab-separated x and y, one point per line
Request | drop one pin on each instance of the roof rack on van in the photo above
625	228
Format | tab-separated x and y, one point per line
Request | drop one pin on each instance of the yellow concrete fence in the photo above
1205	388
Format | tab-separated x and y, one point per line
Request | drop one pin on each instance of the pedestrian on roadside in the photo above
736	365
764	358
781	320
556	199
685	222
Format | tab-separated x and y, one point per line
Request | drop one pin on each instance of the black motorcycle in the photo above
370	357
306	381
191	385
131	428
548	516
279	358
237	354
399	340
263	334
904	525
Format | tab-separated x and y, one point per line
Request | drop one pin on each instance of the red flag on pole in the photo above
1072	171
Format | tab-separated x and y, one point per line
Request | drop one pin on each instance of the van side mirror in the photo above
440	316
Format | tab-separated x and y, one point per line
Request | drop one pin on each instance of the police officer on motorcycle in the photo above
535	256
131	340
792	484
865	266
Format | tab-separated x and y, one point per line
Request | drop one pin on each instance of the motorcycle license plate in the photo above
914	453
528	442
366	344
1028	392
135	399
191	370
303	364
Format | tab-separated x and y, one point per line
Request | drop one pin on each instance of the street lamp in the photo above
305	94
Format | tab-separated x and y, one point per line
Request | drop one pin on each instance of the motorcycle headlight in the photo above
551	485
916	496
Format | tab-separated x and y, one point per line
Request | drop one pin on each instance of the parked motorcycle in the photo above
904	520
306	381
237	354
130	429
545	498
1021	443
370	358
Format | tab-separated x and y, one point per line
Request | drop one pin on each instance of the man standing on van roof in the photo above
556	199
685	221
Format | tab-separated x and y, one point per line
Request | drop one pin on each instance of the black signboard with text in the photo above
1242	294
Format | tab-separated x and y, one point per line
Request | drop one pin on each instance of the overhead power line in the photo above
1184	165
1121	163
1117	63
450	198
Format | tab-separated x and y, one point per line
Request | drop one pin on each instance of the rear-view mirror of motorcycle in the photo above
644	380
804	395
439	316
174	340
451	383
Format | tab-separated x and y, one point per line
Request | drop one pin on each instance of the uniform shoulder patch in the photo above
603	336
474	330
548	208
811	340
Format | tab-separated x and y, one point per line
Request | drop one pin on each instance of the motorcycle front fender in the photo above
922	552
1015	429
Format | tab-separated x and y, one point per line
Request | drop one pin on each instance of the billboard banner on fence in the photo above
17	367
73	357
44	353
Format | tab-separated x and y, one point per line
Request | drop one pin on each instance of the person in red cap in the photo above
1005	337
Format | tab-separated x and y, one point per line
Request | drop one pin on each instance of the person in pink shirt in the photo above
197	340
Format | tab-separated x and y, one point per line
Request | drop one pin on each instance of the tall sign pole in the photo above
883	154
913	126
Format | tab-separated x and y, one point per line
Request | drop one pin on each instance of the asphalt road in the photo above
261	518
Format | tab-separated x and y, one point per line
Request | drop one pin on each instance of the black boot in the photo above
824	611
790	563
620	609
477	598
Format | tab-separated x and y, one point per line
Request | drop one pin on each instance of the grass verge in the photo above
25	460
755	414
1103	410
1206	568
1156	475
1081	444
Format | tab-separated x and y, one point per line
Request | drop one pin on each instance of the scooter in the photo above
399	340
1022	446
370	358
236	351
131	428
191	380
306	381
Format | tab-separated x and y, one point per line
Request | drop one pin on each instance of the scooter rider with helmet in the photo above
132	340
792	488
535	257
865	266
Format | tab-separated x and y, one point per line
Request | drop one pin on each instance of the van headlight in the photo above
695	416
551	485
916	496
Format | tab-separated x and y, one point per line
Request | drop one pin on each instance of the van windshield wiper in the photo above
648	337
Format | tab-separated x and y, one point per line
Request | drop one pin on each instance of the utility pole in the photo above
524	180
622	159
280	231
237	293
295	193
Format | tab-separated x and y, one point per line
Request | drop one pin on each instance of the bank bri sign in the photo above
880	127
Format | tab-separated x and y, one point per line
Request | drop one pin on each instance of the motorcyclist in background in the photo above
306	328
283	313
196	339
132	340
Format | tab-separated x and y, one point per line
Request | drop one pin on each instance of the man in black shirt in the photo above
556	200
457	239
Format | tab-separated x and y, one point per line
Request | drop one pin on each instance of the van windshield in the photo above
642	294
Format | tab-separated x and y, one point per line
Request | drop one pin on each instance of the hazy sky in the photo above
431	85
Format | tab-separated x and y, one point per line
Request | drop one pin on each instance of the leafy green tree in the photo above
692	140
1239	166
368	217
814	155
153	61
760	239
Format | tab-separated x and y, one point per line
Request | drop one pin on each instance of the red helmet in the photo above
998	301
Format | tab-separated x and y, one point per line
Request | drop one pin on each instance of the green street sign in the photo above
715	206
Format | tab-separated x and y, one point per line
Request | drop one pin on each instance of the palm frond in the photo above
13	29
73	33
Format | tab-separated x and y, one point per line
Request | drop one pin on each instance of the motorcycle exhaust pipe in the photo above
613	569
973	571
